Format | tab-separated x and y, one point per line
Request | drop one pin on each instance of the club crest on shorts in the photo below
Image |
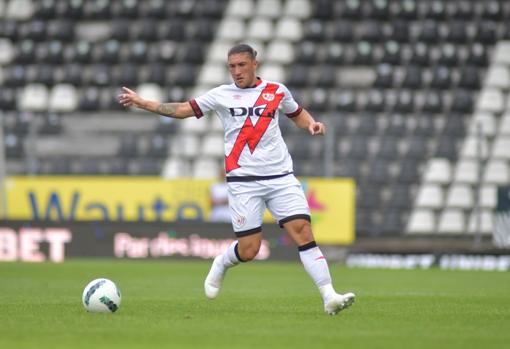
240	221
268	96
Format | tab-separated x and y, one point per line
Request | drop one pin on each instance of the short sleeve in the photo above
203	103
288	104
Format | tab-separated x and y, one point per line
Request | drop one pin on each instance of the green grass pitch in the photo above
262	305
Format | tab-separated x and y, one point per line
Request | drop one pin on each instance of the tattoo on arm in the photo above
167	109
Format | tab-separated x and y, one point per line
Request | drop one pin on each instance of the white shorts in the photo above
283	197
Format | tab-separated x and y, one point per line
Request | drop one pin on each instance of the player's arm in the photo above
129	98
305	121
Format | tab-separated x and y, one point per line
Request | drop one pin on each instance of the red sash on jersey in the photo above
250	134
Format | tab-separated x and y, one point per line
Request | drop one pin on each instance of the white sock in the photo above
317	267
230	258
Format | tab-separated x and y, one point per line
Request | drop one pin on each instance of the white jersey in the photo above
253	142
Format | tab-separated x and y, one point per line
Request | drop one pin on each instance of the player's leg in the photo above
244	249
316	265
247	209
290	207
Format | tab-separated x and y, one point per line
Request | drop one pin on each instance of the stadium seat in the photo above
63	98
438	170
466	171
300	9
460	196
280	52
205	168
34	97
430	196
260	28
314	30
486	124
19	9
175	167
488	196
502	53
240	9
400	197
421	221
504	125
13	146
212	145
498	76
500	148
158	146
474	147
289	29
231	29
497	172
485	225
451	221
409	172
6	51
273	72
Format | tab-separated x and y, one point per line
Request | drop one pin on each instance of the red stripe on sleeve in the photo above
196	109
296	113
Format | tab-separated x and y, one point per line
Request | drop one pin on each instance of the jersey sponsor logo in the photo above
250	111
268	96
251	134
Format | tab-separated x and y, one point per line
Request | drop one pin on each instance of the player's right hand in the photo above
129	98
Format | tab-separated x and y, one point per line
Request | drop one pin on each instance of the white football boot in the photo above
215	277
338	303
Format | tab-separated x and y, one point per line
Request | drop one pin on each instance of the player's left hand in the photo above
317	128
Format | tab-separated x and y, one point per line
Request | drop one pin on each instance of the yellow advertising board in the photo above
151	199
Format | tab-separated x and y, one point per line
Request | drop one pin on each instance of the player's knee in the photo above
249	251
305	231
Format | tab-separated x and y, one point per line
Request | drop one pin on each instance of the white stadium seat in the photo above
430	196
6	51
260	28
482	224
460	196
504	125
185	145
218	51
502	53
214	74
421	221
280	52
19	9
466	171
269	8
488	196
297	8
239	8
497	172
213	145
34	97
289	29
231	29
501	147
205	168
498	76
195	126
63	98
491	100
175	167
471	147
274	72
452	221
485	121
151	91
439	170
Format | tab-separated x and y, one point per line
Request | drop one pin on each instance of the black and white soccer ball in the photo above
101	296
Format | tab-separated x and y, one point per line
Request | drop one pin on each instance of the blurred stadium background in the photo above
414	92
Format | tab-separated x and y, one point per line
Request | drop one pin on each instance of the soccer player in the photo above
258	168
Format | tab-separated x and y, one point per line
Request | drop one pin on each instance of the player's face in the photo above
242	68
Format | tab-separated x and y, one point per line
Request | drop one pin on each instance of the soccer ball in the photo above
101	296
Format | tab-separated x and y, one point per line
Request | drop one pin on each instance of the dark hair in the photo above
241	48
